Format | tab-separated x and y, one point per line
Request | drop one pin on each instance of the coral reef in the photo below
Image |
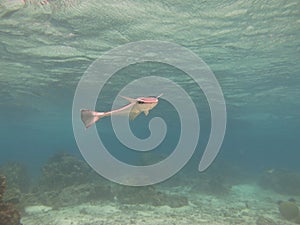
17	176
13	195
289	210
148	195
66	180
71	195
2	186
8	214
281	181
18	183
63	170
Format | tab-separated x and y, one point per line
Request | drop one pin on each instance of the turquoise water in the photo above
252	47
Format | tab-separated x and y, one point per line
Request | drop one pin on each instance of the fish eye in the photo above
140	102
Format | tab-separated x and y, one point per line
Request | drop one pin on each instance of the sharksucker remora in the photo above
134	108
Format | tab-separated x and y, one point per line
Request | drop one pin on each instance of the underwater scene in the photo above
149	112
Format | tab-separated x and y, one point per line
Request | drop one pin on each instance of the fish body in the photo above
133	109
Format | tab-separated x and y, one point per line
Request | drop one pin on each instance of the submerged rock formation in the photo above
289	210
8	214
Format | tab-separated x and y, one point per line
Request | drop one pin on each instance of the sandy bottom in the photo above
244	205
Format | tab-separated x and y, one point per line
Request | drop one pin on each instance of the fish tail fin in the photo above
90	117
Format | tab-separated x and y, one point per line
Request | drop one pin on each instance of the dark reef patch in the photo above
8	214
63	170
281	181
218	179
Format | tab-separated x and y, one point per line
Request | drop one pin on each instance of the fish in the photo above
133	109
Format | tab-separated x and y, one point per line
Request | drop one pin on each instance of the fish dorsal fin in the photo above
132	100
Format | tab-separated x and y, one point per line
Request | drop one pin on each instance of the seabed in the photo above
246	204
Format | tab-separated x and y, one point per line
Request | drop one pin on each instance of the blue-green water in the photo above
253	48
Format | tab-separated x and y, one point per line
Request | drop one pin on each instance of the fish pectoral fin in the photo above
133	115
146	112
135	111
129	99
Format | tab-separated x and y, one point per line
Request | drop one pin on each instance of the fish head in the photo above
146	103
148	100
